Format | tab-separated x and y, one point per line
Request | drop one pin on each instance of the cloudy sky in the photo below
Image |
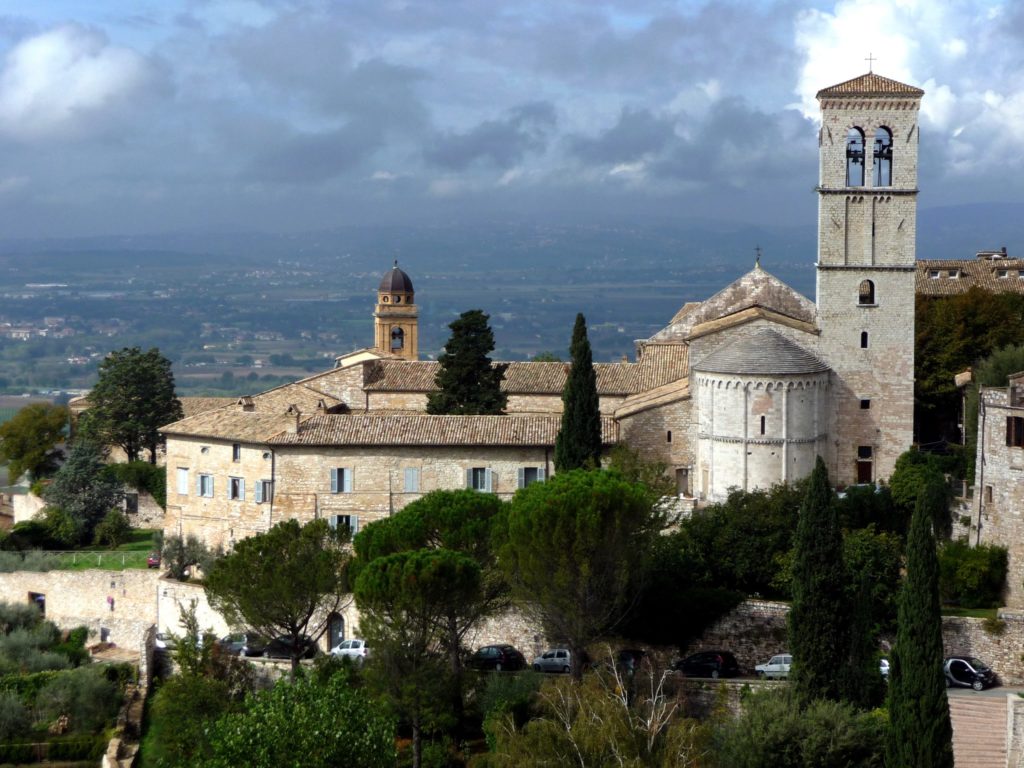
131	116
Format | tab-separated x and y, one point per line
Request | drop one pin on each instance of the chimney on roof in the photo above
321	407
296	414
247	403
1004	251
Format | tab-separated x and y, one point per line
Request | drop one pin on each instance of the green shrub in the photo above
972	577
182	709
773	732
13	715
113	530
85	695
18	615
29	560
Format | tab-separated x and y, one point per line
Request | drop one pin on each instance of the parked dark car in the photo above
712	664
968	672
281	647
243	644
500	658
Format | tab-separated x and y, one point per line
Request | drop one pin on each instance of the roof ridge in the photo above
870	84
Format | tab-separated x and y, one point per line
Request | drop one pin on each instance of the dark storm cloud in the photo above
637	133
317	157
502	143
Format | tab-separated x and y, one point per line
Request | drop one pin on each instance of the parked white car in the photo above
355	649
555	660
777	667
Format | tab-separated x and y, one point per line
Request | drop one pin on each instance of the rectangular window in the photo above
988	494
480	479
529	475
864	452
341	480
131	503
412	479
345	522
236	452
865	405
264	491
236	489
183	481
933	274
1015	431
204	486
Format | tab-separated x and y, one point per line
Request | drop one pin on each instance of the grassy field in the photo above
972	613
131	554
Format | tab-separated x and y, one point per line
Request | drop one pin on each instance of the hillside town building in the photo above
743	390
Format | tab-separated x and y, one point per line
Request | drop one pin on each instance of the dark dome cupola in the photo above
395	318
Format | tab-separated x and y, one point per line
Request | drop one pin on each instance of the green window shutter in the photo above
334	481
259	492
542	474
469	478
489	480
521	477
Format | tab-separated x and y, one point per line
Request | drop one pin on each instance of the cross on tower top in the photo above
871	60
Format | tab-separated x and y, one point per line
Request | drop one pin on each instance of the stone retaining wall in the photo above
754	631
116	606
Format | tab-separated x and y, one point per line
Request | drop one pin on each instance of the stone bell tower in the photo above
867	223
396	318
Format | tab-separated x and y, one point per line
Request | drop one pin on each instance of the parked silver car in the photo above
355	649
777	667
555	660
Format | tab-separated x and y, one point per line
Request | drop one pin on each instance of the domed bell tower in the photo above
396	318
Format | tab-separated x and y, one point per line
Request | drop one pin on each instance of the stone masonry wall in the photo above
117	606
756	630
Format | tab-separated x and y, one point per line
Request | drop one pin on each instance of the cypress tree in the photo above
469	384
920	732
578	444
818	618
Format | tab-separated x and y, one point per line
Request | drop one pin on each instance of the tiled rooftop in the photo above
424	430
870	85
949	277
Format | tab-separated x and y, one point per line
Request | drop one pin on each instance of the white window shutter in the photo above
334	481
469	478
347	480
241	489
333	519
211	485
199	485
521	477
353	522
259	492
542	474
488	480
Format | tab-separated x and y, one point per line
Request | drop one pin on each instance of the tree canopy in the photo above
83	492
578	444
575	549
468	382
132	399
286	581
404	599
920	731
28	441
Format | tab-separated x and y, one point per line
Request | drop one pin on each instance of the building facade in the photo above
744	390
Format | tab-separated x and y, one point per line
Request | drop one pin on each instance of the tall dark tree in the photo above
920	729
29	440
132	399
818	618
578	444
468	382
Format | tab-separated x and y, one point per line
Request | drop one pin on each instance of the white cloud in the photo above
53	83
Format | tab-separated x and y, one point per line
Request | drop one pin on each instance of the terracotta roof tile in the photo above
232	424
193	406
870	85
424	430
765	352
950	277
659	364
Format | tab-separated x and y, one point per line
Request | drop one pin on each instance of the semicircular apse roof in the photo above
764	353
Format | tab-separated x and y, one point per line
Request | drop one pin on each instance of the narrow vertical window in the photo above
236	452
668	436
762	424
882	166
855	158
863	339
